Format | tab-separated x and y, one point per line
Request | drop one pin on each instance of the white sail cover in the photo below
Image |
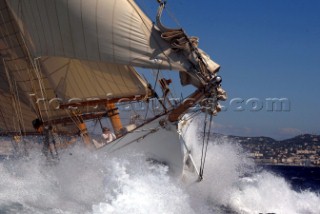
114	31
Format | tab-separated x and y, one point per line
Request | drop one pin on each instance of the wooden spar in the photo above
113	114
193	99
110	105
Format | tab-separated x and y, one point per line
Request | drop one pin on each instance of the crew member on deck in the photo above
108	135
49	143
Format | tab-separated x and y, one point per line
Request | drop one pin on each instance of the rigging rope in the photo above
156	80
31	79
6	37
13	100
73	117
205	145
147	111
191	116
172	16
37	70
19	109
101	126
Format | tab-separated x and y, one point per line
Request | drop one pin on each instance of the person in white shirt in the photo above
108	135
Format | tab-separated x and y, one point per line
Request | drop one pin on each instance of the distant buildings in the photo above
302	150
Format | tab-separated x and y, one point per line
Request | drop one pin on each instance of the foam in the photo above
85	182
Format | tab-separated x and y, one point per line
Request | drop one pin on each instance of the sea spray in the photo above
140	187
265	192
72	185
232	183
226	162
90	182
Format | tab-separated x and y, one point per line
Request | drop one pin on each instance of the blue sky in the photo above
266	49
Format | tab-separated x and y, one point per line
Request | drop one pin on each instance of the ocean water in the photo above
301	178
87	182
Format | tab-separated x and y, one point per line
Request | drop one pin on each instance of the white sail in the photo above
114	31
79	49
35	82
86	79
9	118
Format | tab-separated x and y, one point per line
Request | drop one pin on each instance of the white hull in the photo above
160	143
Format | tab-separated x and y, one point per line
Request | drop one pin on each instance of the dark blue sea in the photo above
300	177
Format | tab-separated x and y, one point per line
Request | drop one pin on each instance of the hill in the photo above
300	150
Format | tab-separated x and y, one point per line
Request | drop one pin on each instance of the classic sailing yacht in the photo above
72	61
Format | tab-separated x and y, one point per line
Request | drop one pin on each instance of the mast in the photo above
84	133
78	120
113	114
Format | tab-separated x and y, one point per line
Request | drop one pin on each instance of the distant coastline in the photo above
284	164
302	150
